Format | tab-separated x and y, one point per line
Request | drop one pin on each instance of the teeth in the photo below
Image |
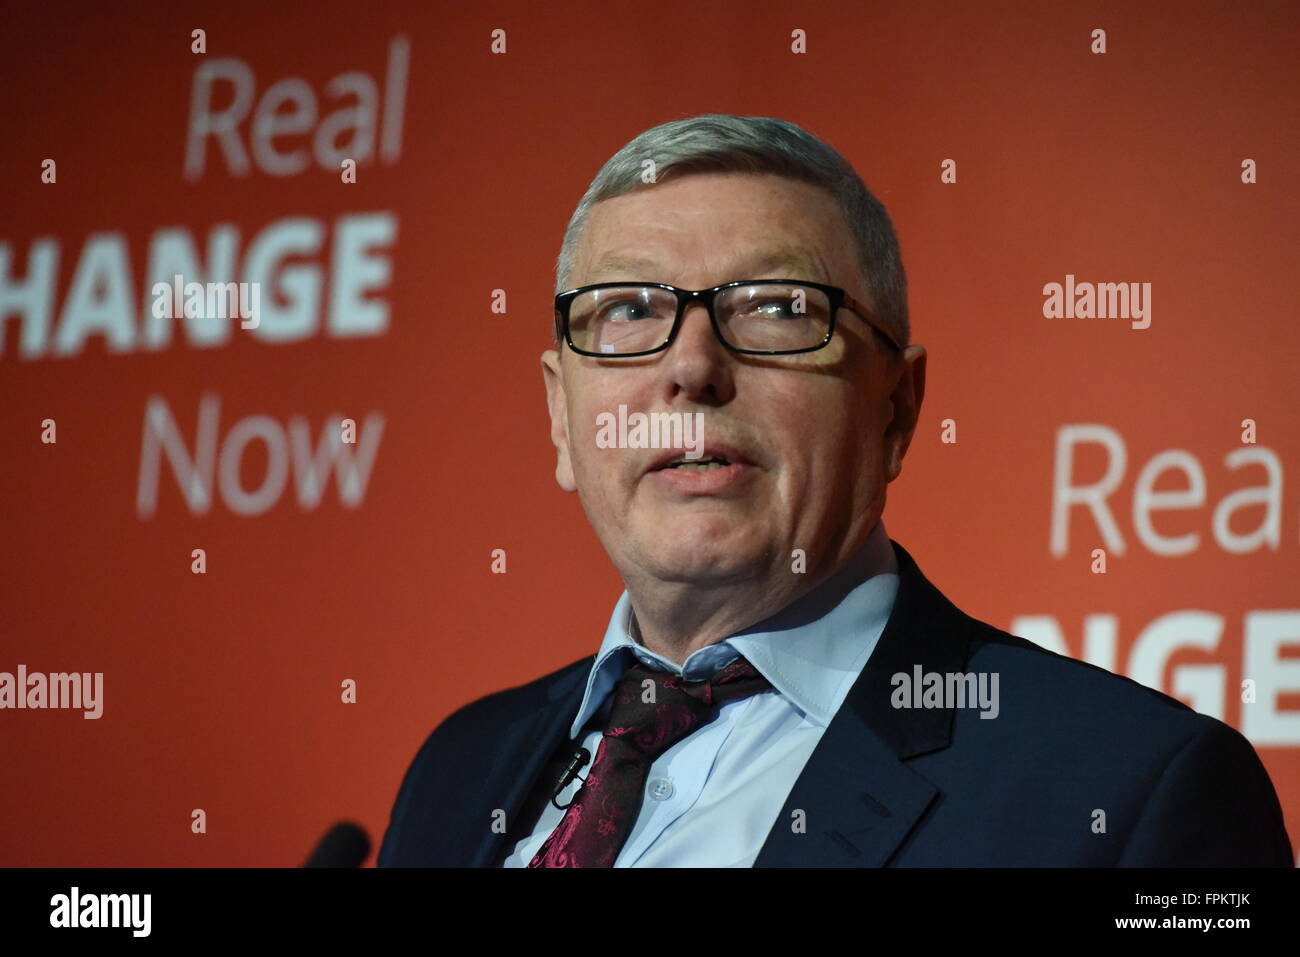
706	465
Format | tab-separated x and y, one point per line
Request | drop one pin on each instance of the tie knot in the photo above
655	709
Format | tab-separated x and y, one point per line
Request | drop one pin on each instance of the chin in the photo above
700	557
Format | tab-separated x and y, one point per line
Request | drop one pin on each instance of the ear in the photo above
906	401
553	375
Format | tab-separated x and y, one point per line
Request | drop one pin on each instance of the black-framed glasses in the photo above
770	317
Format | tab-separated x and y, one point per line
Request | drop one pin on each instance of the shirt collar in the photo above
811	651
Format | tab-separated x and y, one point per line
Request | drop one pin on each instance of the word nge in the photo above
332	296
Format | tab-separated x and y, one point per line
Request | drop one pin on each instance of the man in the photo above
761	696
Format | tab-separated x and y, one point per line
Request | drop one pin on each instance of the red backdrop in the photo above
222	691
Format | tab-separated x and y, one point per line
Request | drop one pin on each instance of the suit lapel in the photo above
520	755
859	800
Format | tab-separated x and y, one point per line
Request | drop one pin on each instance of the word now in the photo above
215	464
289	108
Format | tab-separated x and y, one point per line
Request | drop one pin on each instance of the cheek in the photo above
598	471
805	428
826	451
582	423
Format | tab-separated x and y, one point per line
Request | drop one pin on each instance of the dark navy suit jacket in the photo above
1073	748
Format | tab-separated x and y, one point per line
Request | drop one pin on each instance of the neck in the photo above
676	619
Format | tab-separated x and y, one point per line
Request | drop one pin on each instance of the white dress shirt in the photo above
712	798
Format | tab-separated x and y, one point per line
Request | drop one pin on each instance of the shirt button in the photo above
661	789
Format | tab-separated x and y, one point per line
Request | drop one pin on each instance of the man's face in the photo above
813	439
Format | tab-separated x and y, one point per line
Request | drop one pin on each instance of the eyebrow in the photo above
770	260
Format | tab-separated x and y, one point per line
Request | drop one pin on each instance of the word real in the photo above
208	300
653	430
58	690
287	128
102	910
955	689
1103	300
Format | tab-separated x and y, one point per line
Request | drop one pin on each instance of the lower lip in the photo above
689	481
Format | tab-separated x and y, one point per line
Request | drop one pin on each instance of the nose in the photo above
696	330
697	363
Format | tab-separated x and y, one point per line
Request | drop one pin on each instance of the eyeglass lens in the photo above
777	317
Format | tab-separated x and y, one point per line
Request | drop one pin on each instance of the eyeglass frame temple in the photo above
706	298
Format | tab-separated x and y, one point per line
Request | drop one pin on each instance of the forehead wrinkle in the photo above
791	262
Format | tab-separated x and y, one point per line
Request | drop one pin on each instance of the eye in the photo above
626	310
780	309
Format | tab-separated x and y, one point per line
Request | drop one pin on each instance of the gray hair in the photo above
720	142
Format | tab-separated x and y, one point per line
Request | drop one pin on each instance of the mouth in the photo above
713	456
718	470
707	463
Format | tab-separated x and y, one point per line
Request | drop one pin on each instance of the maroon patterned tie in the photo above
598	822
